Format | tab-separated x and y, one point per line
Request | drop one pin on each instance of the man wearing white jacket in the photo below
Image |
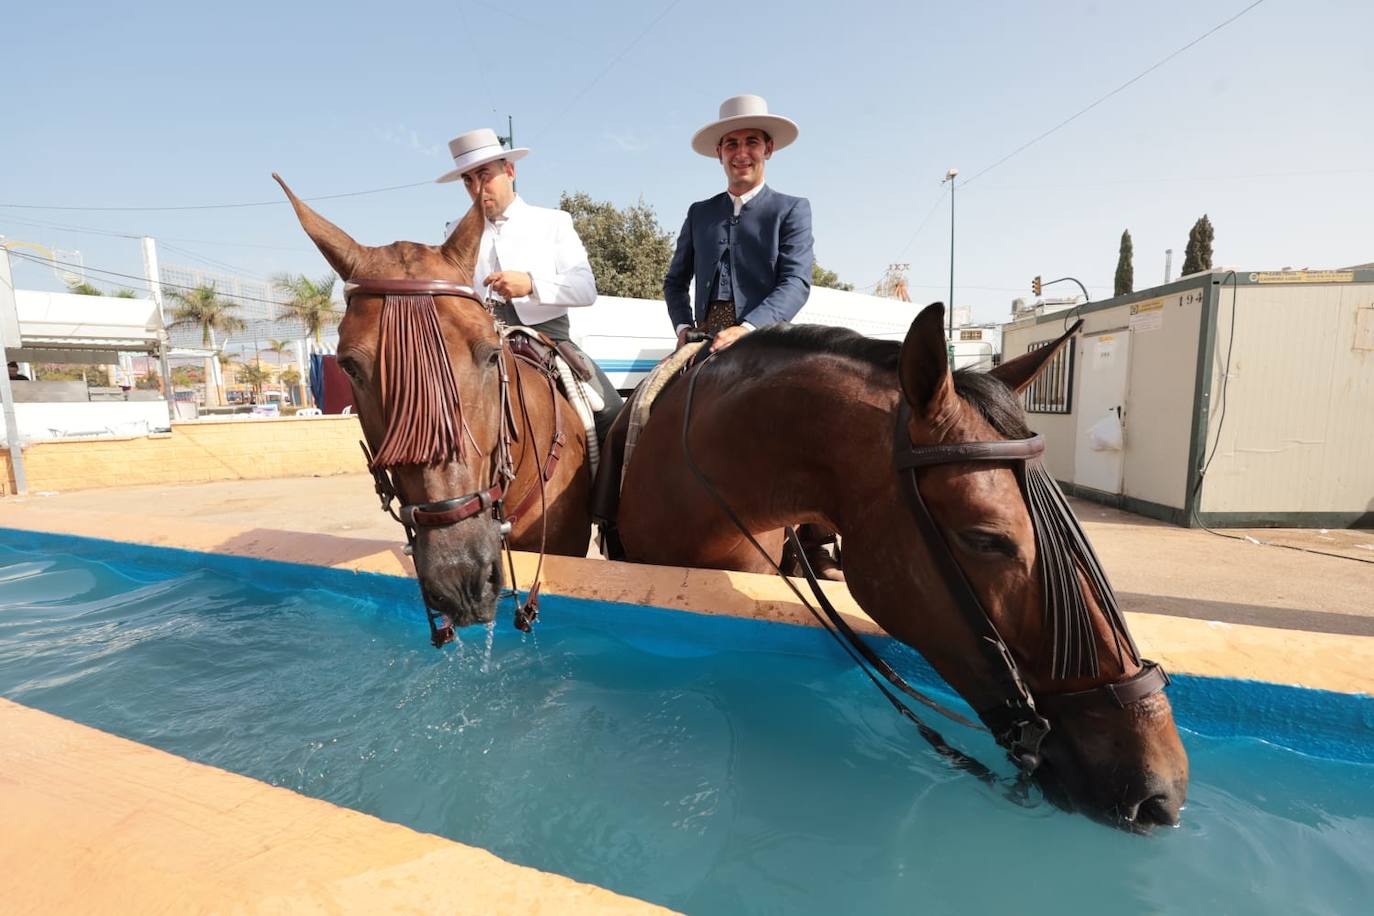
531	265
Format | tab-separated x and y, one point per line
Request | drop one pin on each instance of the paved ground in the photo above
1320	580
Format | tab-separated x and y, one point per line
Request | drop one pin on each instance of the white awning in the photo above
66	321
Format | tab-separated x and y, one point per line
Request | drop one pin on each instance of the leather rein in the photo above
1015	721
489	502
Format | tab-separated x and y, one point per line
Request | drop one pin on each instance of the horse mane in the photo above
777	344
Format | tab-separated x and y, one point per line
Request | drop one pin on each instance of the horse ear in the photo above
342	253
460	248
1017	374
924	370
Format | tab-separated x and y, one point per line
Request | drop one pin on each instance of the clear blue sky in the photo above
1265	125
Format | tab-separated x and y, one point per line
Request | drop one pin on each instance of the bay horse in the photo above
469	436
956	541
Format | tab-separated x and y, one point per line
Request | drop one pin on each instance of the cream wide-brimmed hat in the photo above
738	113
474	148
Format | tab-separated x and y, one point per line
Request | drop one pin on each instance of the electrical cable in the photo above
1139	76
49	262
260	203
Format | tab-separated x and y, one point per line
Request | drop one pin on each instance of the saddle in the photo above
620	443
567	366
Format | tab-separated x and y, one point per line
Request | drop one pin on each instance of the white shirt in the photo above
744	198
543	244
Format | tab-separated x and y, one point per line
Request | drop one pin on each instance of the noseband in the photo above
402	435
1062	553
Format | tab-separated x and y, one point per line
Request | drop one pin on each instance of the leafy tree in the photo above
148	381
827	278
1125	270
254	375
311	303
187	376
203	307
67	372
1198	255
628	250
290	377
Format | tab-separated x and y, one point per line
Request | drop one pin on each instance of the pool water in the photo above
713	766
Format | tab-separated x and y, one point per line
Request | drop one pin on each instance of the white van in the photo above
627	337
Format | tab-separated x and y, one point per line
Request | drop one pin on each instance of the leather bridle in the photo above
488	502
1014	721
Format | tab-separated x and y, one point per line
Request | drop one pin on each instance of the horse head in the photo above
990	517
425	362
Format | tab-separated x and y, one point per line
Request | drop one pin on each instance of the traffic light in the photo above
1035	285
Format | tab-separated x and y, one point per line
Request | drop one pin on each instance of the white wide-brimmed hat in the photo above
738	113
475	148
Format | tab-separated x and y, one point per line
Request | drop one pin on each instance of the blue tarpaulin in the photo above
317	379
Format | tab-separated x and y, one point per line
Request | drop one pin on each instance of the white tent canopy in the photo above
70	322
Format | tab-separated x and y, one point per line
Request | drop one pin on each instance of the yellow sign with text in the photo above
1303	276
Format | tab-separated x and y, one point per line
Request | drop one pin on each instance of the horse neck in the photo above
808	441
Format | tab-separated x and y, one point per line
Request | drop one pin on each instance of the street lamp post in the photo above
949	177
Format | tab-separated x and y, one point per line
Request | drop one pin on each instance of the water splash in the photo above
491	638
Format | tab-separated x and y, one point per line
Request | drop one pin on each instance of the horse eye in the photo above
983	541
351	369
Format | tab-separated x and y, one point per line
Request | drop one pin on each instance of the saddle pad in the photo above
642	404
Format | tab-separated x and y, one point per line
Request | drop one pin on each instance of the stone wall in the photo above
198	452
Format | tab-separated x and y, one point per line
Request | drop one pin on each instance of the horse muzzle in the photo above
460	571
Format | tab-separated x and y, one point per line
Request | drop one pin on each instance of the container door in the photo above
1099	455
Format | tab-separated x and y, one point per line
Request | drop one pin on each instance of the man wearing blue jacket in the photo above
749	248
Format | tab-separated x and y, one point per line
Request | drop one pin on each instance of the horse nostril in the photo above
1158	810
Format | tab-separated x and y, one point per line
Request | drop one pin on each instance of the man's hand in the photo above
510	284
728	336
682	336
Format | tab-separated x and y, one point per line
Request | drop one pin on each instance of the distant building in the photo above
1042	305
1224	398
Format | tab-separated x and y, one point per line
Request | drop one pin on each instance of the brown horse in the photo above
459	428
799	424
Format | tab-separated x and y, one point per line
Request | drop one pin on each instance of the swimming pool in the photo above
712	765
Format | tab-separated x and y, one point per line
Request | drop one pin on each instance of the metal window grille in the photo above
1052	390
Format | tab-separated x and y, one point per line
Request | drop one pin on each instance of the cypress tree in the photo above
1198	255
1125	271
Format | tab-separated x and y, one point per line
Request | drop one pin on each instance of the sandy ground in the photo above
1156	568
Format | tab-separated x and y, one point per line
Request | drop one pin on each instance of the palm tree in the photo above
278	347
291	378
312	301
125	293
203	306
82	288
